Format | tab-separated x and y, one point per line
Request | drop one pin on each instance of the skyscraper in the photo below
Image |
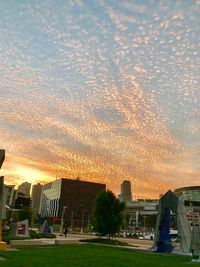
2	156
8	201
8	194
126	193
25	189
36	196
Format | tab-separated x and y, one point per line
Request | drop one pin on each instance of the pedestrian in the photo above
65	231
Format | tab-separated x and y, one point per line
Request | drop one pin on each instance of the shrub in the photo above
33	235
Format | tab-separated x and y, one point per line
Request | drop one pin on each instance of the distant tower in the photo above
126	193
36	196
25	189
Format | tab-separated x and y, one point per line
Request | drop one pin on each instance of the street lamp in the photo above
72	218
82	224
88	222
62	220
144	222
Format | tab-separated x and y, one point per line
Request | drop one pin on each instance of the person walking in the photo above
65	231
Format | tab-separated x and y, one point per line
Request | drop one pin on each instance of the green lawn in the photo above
88	255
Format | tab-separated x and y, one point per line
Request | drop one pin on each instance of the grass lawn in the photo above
88	255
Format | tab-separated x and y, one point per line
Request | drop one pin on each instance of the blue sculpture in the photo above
164	243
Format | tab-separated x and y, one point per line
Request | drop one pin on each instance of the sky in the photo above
102	90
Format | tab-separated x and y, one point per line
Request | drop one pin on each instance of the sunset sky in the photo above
104	90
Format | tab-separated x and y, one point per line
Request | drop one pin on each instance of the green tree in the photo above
14	216
107	213
25	213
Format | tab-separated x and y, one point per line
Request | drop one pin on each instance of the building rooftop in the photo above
187	188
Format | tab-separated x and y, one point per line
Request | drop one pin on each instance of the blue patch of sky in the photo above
124	132
69	141
23	129
109	115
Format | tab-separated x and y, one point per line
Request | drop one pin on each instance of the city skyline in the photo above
104	90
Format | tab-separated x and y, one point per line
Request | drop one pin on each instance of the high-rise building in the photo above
8	193
2	157
8	201
25	189
69	199
15	195
126	193
36	196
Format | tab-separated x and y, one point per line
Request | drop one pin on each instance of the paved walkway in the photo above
75	238
132	243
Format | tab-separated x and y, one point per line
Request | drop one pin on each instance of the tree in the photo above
25	213
107	213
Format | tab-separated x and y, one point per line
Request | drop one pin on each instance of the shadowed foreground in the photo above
88	255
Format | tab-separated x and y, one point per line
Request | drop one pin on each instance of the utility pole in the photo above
144	223
82	221
88	225
62	220
72	218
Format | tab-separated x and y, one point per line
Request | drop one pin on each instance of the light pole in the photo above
88	224
62	220
82	225
82	221
72	217
144	222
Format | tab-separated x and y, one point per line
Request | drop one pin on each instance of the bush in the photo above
44	235
33	235
105	241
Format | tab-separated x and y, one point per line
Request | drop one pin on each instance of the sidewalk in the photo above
135	244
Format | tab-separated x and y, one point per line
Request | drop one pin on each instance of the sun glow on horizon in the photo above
22	174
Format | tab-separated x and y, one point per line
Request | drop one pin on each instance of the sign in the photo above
22	229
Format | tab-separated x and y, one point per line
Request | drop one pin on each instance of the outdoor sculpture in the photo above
170	202
45	228
164	243
195	242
